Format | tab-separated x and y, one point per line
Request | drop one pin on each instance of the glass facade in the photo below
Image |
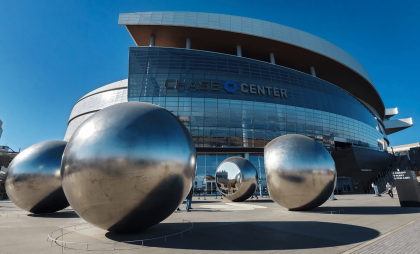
261	102
258	162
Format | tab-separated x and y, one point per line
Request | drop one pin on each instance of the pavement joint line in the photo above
365	244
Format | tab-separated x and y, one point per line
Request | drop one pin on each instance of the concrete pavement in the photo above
366	225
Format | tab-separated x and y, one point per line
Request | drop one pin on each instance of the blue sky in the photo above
54	52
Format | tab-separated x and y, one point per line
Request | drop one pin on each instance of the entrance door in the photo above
211	187
343	185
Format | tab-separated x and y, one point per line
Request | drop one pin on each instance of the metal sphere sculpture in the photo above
33	180
300	172
128	167
236	179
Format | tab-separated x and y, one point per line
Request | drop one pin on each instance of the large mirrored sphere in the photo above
128	167
236	179
33	180
300	172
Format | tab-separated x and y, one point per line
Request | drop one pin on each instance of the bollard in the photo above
114	245
142	244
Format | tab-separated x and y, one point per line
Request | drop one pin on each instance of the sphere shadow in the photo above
211	211
259	201
369	210
156	231
66	215
202	201
252	236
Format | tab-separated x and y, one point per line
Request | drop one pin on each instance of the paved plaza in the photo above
351	224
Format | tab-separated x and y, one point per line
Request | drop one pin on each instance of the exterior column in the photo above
152	41
246	156
313	71
272	59
188	46
239	50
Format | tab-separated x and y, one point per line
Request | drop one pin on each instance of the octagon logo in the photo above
230	86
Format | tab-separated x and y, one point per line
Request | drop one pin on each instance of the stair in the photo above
401	163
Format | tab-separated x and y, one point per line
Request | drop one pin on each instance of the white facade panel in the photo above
94	101
390	112
73	125
112	86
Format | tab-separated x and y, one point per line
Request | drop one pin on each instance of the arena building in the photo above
237	83
1	129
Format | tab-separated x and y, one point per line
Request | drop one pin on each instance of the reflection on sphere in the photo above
228	178
128	167
300	172
236	179
33	180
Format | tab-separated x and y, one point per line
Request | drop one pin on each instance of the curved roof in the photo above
293	48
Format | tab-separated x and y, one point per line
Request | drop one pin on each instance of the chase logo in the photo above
230	86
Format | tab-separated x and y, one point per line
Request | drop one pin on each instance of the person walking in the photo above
389	188
189	199
254	194
375	187
332	197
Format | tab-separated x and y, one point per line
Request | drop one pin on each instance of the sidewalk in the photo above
404	240
365	225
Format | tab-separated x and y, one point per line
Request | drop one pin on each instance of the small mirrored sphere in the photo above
33	180
300	172
128	167
236	179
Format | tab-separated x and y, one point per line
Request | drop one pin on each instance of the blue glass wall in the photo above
223	118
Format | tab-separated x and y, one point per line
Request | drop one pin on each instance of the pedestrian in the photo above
375	187
389	188
332	197
254	195
189	199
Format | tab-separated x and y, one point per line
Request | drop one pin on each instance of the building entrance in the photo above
343	185
211	187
